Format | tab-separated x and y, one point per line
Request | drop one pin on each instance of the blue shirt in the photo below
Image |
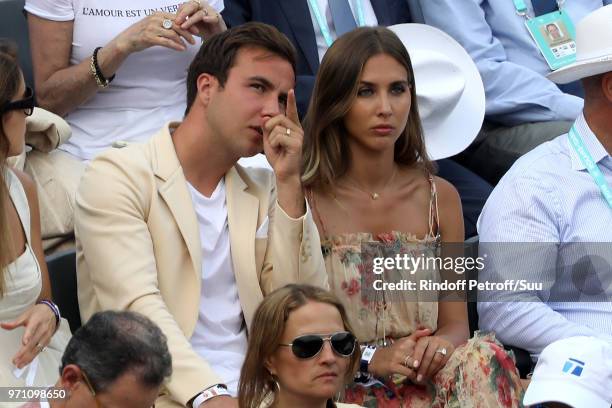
549	206
511	65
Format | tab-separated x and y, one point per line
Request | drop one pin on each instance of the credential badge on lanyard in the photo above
322	22
554	34
591	166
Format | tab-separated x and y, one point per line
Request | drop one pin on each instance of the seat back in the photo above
62	274
13	25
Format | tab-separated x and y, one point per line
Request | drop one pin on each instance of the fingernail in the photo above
416	363
419	377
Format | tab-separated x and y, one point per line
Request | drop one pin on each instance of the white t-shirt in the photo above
220	333
149	87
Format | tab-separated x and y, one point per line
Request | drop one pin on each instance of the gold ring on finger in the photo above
167	23
40	348
442	350
406	361
205	12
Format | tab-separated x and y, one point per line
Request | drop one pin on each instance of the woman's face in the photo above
14	123
314	379
380	111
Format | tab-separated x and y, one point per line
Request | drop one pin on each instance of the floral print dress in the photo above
479	373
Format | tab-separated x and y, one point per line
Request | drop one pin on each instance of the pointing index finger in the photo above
292	112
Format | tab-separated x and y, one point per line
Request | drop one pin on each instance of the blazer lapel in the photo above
298	15
382	12
242	212
175	193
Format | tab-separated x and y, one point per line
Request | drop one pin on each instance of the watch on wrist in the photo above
366	356
211	392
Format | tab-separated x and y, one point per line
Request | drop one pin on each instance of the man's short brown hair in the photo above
218	53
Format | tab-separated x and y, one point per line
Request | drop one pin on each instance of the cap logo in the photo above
573	366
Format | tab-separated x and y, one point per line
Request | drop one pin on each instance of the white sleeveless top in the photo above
22	287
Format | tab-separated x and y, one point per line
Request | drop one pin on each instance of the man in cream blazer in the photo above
141	232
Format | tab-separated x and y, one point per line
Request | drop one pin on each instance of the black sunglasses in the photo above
27	103
309	345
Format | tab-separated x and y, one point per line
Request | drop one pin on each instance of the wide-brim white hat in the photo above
449	89
593	48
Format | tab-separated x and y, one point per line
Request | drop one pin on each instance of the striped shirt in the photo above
560	226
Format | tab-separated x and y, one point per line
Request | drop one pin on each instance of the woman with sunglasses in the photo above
372	188
30	332
301	351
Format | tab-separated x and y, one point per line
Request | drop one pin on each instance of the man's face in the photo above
255	91
126	391
553	31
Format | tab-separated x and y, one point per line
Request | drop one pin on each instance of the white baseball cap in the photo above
576	371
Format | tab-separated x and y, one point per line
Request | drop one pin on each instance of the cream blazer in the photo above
138	248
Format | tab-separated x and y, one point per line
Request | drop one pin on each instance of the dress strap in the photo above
315	211
20	200
434	216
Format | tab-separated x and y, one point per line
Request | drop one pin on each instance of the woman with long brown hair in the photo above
370	183
30	352
301	351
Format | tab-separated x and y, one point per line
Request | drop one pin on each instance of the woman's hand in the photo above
150	31
431	354
397	358
200	18
39	322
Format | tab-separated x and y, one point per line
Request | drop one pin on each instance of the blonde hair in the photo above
10	76
257	384
326	154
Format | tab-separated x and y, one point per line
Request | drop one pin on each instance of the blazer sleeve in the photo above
294	251
116	261
236	12
304	86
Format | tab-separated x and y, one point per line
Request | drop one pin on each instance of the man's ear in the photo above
71	377
206	85
606	86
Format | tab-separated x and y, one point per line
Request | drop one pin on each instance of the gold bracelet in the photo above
94	74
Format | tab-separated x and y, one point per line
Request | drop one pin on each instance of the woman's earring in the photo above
276	384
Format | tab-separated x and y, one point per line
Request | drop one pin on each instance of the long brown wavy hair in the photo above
257	385
326	153
10	76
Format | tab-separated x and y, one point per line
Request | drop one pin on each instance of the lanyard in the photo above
322	22
589	163
521	7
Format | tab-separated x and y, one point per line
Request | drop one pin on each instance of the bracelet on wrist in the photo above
216	390
367	353
96	72
53	308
